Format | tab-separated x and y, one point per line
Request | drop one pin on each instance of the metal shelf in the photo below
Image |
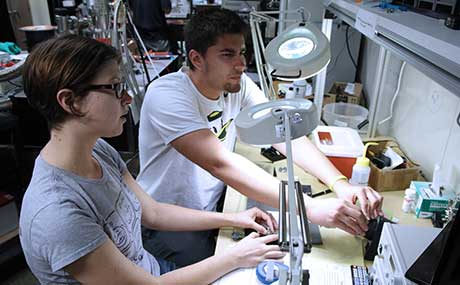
419	40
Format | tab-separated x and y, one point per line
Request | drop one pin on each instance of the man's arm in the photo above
307	156
203	148
168	217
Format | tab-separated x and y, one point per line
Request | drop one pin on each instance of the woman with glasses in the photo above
82	213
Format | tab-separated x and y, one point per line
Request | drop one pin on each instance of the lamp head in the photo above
299	52
263	123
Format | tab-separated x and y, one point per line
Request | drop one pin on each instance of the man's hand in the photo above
369	200
256	219
338	213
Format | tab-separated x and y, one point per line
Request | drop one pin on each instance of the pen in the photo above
321	193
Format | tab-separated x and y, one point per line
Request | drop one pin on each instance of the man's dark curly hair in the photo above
205	28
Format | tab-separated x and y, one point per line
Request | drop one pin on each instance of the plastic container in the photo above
361	169
37	34
344	114
341	146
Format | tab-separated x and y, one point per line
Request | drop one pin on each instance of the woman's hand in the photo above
253	249
254	218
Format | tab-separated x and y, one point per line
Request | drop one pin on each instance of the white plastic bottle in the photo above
361	169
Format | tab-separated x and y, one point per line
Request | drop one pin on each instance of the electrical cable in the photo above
395	96
358	79
336	60
348	48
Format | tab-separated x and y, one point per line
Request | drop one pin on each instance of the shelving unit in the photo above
423	42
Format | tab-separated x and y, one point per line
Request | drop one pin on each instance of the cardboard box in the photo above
426	201
395	179
343	92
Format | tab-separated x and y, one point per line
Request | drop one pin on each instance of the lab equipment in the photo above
276	122
299	52
440	261
300	88
333	274
372	235
272	154
361	170
360	276
399	247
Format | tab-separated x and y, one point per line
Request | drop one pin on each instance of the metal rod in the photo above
377	91
282	230
320	81
305	229
296	244
282	14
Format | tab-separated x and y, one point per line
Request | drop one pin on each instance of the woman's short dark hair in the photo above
204	29
64	62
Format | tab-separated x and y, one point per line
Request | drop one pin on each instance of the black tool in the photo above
452	22
272	154
373	233
381	160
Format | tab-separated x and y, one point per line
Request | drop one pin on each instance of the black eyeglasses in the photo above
117	87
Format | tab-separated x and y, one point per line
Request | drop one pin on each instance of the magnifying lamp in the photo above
276	122
299	52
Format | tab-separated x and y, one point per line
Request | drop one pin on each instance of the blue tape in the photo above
267	272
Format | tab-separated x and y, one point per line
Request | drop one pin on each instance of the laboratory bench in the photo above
338	247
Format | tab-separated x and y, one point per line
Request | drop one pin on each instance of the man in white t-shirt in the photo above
187	137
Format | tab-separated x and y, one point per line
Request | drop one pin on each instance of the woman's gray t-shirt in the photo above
64	217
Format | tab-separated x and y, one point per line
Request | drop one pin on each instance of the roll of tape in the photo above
268	271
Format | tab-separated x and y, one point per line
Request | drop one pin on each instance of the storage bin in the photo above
341	146
344	114
391	179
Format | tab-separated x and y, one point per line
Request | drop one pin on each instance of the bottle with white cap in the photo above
361	169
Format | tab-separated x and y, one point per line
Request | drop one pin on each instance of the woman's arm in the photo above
168	217
107	265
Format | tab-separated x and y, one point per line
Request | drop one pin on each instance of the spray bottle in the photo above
361	169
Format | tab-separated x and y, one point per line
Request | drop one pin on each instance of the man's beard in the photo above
232	88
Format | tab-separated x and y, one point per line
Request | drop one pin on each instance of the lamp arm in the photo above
257	53
266	81
296	244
